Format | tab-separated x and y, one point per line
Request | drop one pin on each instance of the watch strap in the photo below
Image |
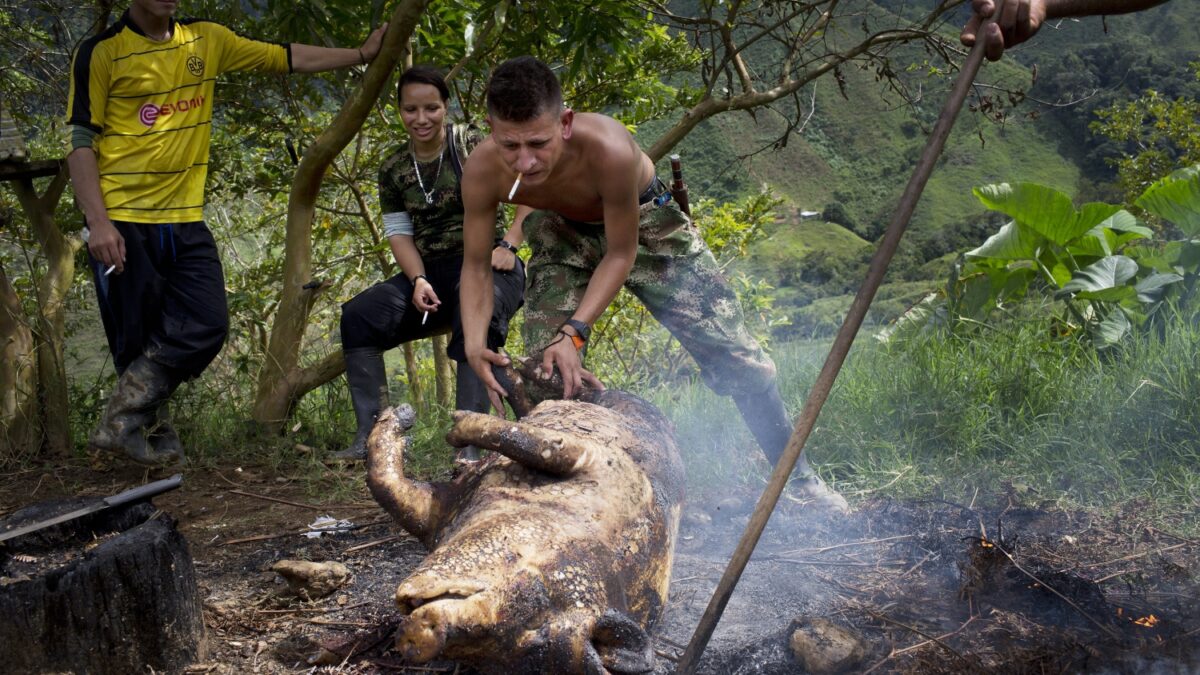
583	330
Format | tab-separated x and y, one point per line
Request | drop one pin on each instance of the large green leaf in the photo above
1045	210
929	314
1176	198
1012	242
1103	280
1016	284
1098	242
1124	221
1152	288
1110	235
1059	272
1177	256
977	297
1110	331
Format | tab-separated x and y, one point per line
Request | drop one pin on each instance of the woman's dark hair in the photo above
522	89
423	75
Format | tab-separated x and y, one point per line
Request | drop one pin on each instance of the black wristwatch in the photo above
581	329
507	245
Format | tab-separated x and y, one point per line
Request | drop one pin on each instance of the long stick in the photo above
837	355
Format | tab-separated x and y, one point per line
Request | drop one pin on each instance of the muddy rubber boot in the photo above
132	407
768	420
367	380
162	435
470	393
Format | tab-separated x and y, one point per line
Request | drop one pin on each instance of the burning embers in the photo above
1149	621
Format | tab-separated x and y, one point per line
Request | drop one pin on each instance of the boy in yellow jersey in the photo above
140	113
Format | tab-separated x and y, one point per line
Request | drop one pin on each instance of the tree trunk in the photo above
51	294
18	378
443	372
127	605
415	391
275	397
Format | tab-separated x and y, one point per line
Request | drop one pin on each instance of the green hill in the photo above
857	151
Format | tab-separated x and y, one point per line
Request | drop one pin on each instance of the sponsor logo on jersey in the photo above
195	66
149	113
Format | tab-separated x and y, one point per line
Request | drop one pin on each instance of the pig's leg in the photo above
414	504
553	452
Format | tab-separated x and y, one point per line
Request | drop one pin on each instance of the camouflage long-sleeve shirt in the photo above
437	222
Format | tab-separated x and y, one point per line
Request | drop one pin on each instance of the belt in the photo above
656	192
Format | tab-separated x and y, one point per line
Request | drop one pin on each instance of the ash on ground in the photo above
920	586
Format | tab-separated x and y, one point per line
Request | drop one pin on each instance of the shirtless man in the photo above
602	219
1019	20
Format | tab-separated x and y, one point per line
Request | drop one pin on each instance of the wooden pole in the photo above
837	355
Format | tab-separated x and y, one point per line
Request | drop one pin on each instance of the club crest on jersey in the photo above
195	66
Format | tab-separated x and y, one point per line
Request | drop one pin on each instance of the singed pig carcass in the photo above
554	553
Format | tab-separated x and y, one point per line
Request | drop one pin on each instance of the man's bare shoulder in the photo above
482	165
602	127
481	180
606	138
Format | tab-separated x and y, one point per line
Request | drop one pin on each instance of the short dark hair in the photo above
423	75
522	89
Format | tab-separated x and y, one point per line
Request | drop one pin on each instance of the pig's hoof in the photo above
811	491
402	416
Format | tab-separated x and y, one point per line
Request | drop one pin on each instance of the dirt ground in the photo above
920	586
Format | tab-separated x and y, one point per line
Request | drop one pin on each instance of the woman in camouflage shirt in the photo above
422	219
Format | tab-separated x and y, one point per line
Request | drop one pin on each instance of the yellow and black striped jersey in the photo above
150	105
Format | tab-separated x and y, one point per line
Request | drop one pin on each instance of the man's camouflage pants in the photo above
674	275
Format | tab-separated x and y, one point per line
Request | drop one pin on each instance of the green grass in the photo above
788	241
1009	410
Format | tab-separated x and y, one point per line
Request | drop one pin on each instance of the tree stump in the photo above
112	592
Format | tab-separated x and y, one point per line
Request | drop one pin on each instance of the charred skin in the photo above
416	505
555	553
528	386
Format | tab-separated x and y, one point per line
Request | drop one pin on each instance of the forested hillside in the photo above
1030	121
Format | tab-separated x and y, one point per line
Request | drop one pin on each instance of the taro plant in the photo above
1098	260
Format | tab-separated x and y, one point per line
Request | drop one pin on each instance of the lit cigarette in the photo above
513	191
109	270
424	317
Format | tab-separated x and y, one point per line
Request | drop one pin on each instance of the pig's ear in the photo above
623	645
512	378
554	452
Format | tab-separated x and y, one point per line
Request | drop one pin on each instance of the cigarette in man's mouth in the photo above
424	317
109	270
513	191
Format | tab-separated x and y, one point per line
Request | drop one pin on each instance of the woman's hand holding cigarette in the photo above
424	297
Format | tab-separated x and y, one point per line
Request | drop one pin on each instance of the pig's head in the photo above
513	629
